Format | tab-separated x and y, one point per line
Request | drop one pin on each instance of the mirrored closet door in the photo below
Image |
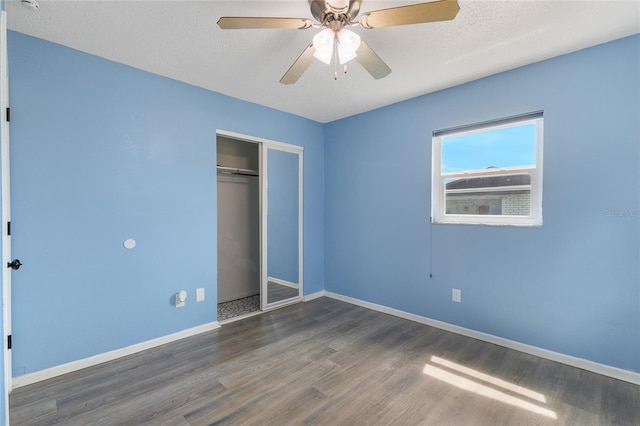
281	183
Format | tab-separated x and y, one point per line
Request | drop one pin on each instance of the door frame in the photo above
264	145
6	210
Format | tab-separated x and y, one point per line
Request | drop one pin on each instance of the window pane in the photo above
491	195
506	147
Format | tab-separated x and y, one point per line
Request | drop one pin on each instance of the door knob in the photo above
15	264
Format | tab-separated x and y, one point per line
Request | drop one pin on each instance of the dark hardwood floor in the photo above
326	362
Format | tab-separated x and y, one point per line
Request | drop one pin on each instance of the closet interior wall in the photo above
238	219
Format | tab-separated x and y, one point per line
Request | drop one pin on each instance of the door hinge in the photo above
9	342
8	114
8	228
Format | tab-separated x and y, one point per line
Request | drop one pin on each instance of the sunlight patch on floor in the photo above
489	379
483	390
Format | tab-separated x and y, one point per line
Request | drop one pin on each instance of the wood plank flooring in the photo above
327	362
277	292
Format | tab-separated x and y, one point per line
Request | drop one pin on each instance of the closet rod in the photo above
234	171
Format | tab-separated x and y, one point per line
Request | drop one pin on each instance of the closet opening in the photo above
238	228
260	200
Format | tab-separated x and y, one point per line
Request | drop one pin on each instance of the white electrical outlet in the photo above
181	296
456	295
199	294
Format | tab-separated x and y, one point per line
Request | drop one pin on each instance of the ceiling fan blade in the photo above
443	10
299	66
372	62
241	23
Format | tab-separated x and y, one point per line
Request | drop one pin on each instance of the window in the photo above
489	173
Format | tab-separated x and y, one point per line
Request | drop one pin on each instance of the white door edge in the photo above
6	210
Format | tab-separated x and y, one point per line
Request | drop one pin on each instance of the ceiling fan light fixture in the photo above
323	45
348	44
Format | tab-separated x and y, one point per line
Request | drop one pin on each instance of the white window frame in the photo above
438	213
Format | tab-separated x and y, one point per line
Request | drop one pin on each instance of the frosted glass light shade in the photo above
323	44
348	44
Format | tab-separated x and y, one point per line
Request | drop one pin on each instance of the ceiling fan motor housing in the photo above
321	9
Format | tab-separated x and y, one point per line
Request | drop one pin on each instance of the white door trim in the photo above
271	143
6	211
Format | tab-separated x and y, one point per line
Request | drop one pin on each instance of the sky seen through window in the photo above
505	147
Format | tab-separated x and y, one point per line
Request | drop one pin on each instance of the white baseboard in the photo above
59	370
282	282
315	295
605	370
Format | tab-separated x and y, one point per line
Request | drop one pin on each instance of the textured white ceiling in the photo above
180	40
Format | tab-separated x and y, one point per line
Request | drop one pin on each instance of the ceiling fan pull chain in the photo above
335	57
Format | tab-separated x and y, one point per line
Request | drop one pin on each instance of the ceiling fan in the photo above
337	44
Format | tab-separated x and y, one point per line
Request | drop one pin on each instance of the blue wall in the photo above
102	152
571	286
